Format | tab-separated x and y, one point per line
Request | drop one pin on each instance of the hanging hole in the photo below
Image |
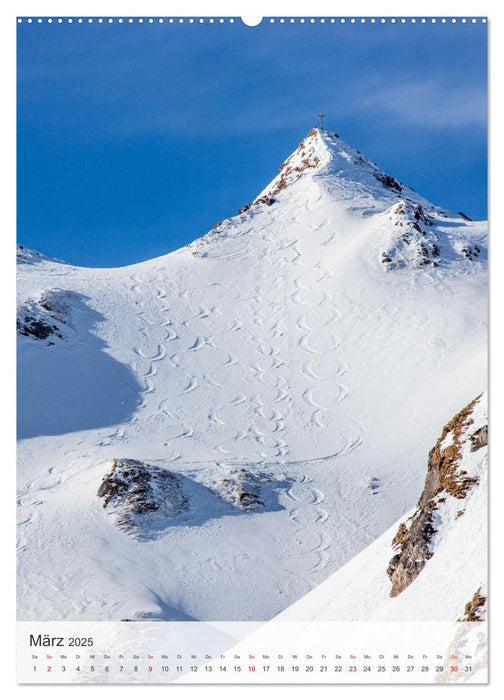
252	21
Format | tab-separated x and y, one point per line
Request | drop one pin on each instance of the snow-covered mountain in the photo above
213	433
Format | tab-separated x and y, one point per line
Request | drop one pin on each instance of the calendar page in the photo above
252	349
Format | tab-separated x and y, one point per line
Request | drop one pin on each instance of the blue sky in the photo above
134	139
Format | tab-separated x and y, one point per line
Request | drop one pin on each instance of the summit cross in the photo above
321	117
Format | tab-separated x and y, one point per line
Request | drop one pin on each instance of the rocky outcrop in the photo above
412	243
388	181
475	609
247	491
304	158
479	438
241	489
266	199
31	326
43	317
415	240
447	480
470	252
142	498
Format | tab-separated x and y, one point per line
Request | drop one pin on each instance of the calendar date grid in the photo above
274	664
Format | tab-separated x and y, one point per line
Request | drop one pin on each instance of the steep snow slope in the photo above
319	338
451	573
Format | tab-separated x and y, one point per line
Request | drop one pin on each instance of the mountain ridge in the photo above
324	159
325	166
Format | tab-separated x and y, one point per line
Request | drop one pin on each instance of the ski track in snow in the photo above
207	328
308	516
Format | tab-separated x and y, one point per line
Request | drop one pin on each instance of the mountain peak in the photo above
311	154
342	172
326	180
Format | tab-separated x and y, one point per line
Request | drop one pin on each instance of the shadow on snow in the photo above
72	384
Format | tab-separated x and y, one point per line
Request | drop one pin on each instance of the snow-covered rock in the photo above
141	497
417	238
249	491
44	317
32	257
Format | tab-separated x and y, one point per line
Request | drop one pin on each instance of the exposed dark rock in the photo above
142	497
473	611
424	254
41	318
445	478
479	438
290	173
249	500
416	246
217	225
266	199
241	489
388	181
420	215
464	216
36	328
302	159
470	251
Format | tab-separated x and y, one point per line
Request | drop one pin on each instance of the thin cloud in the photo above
429	104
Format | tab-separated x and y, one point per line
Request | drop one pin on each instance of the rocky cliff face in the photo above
451	476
